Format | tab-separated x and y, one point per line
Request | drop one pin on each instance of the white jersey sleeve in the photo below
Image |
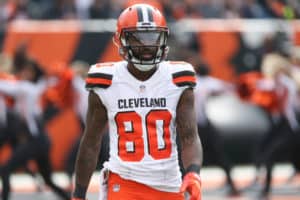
183	74
100	78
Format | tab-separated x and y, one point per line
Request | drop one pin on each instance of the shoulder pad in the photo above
99	76
183	74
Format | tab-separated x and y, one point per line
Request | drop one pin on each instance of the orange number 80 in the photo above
131	146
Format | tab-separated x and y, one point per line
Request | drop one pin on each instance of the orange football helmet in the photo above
141	36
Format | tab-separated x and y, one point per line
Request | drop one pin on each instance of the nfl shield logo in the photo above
142	88
116	187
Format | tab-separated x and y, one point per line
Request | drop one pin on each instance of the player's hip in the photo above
125	189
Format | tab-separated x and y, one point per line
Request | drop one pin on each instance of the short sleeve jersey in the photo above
141	117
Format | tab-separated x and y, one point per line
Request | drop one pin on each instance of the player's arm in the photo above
10	88
191	148
90	145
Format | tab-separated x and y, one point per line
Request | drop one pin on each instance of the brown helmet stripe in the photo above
150	15
144	14
140	14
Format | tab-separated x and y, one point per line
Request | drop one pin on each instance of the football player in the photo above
33	142
147	103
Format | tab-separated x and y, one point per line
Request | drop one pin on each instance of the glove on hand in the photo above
192	184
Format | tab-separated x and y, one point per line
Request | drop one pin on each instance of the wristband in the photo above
193	168
79	192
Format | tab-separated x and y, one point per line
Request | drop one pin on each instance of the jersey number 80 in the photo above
130	132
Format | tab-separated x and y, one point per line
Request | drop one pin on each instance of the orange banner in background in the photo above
217	48
47	43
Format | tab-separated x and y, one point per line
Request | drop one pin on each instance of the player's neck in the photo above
140	75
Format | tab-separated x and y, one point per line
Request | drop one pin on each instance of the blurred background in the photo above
245	53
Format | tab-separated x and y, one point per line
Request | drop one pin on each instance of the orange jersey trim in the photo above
184	79
98	81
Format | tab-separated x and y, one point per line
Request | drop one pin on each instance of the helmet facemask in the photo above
144	47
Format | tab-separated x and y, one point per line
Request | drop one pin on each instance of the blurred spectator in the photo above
213	144
246	84
5	101
232	9
59	94
295	74
178	10
168	12
187	9
82	8
116	7
62	9
287	9
278	69
11	10
5	64
23	9
33	142
276	42
6	11
252	9
155	3
275	92
20	10
211	9
295	68
99	9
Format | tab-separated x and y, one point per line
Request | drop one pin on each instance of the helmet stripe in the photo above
144	14
140	14
150	15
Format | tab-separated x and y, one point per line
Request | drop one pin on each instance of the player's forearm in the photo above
85	165
191	153
191	149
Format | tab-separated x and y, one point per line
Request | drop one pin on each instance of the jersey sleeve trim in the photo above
100	80
184	78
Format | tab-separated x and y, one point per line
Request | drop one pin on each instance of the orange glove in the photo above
192	184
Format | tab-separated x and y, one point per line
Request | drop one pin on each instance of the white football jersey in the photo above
141	117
